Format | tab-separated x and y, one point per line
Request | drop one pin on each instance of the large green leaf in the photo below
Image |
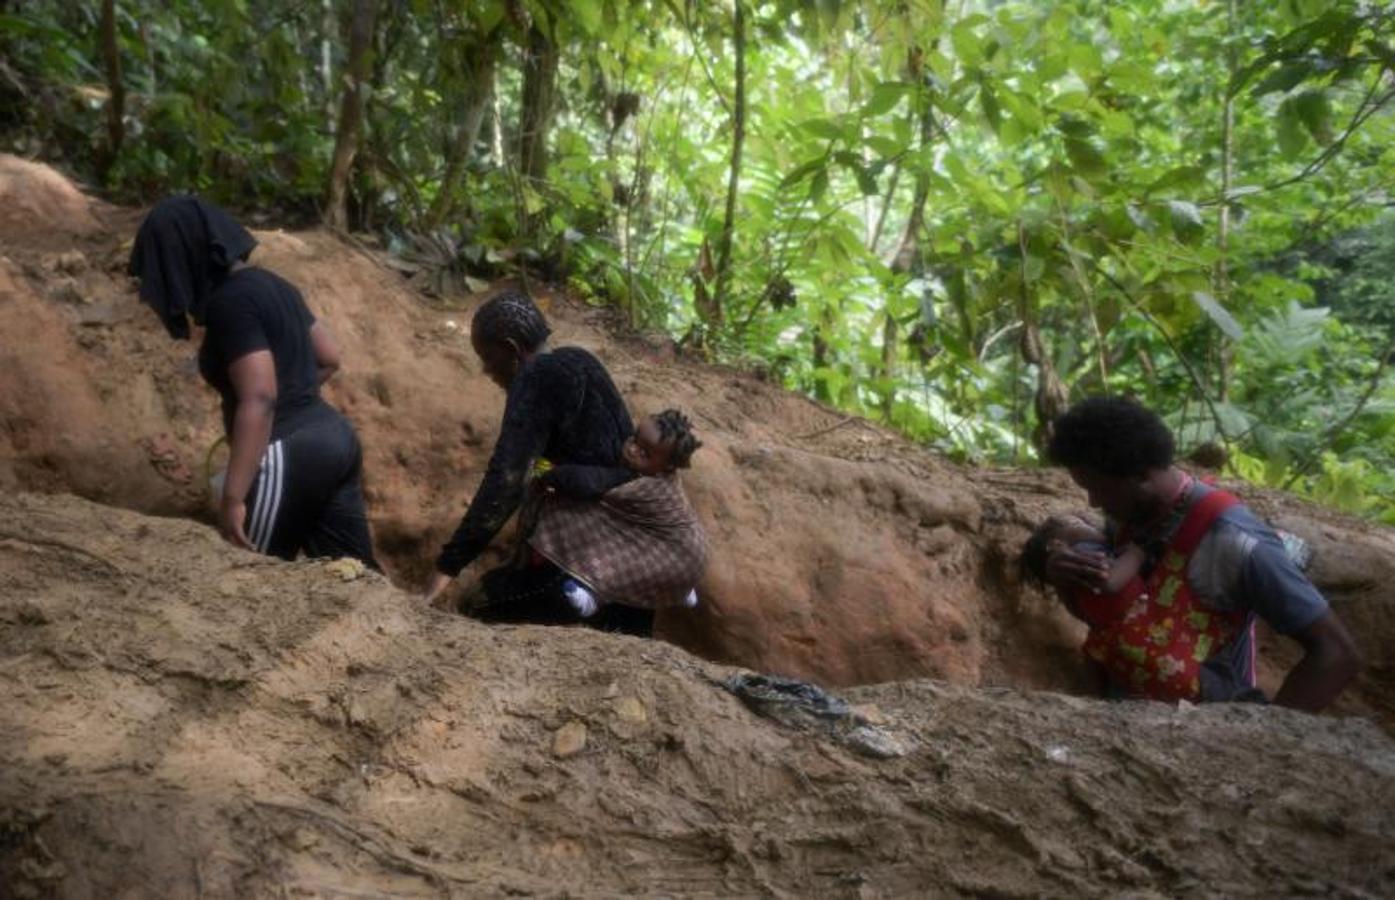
884	147
1219	315
1186	221
988	99
968	46
1284	78
1314	108
804	170
1021	109
589	14
1292	136
824	128
866	180
885	97
1085	157
1181	176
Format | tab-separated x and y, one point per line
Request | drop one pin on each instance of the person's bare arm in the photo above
253	379
1328	665
1124	568
326	351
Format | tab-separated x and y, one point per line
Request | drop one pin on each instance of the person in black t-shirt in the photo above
293	482
562	406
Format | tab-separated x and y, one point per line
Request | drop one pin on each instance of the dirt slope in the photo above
183	720
840	551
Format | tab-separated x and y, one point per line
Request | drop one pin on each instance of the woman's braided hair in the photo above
675	428
511	316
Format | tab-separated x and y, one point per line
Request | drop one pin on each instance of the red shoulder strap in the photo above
1199	520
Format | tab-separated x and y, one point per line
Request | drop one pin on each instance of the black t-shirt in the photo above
562	406
251	310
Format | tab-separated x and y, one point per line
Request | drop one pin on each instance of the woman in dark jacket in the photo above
293	481
563	407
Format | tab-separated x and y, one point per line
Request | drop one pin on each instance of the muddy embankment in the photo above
185	720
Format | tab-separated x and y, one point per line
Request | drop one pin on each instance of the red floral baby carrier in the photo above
1156	650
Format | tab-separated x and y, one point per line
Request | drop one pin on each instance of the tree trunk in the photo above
894	182
496	132
1221	274
1051	397
539	95
891	331
375	162
477	102
821	391
535	118
907	259
327	59
346	138
907	256
738	142
116	102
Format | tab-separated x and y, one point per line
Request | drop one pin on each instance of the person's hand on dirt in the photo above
231	514
1071	569
436	593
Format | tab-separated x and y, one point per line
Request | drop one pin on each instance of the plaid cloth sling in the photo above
641	544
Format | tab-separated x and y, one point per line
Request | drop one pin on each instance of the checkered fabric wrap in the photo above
640	544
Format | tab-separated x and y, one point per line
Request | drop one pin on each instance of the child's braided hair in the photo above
675	428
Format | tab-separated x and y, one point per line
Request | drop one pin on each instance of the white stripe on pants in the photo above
270	489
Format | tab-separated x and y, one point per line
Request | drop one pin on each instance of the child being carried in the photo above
1121	588
626	533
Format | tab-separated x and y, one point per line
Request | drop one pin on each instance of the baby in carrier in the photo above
624	569
1121	588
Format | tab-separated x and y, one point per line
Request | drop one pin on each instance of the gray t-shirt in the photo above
1240	565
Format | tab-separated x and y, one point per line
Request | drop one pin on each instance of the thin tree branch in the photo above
738	142
657	241
886	207
1172	345
1336	430
1313	226
1364	111
682	15
1087	291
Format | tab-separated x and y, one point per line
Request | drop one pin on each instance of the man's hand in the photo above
1076	570
1329	663
232	512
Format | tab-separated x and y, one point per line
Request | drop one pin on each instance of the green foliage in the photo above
924	186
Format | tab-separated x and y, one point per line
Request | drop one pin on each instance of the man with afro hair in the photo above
1211	568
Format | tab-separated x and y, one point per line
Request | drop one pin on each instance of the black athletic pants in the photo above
533	595
308	494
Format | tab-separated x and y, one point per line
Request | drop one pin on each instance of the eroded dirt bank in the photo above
183	720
